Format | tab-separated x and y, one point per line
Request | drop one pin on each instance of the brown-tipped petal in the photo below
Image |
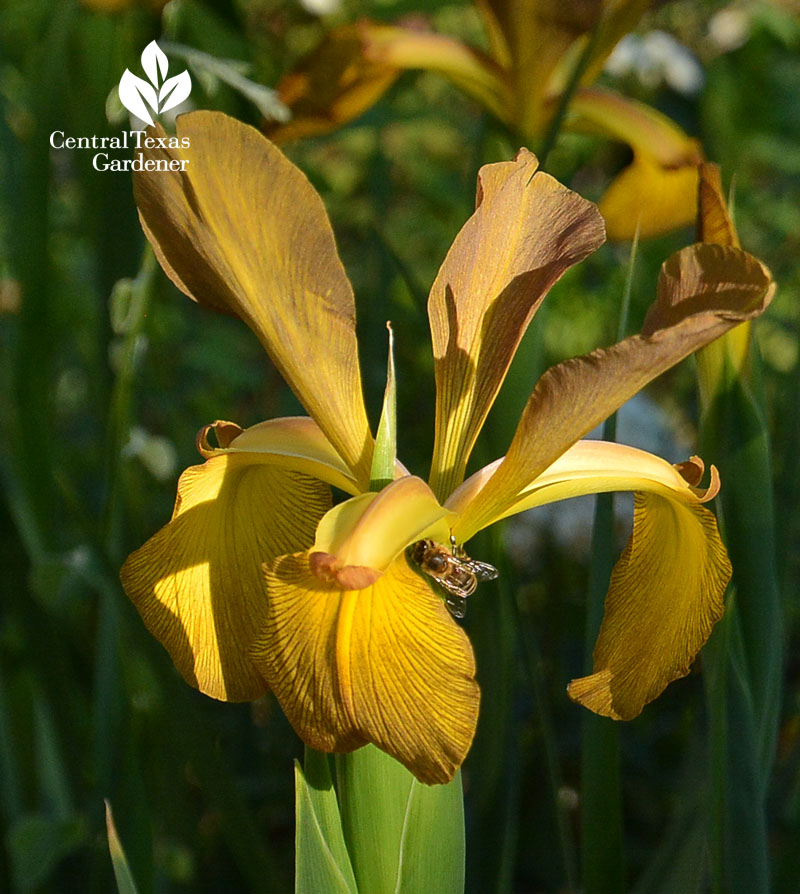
665	597
714	223
198	583
333	84
385	664
291	442
224	432
527	230
242	230
704	291
729	356
590	467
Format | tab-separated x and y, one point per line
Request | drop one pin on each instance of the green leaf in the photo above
403	837
122	873
602	837
211	70
36	845
744	656
321	859
385	455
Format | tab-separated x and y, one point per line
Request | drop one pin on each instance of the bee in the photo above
455	572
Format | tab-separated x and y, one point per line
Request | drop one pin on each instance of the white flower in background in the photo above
155	452
729	28
161	94
656	58
321	7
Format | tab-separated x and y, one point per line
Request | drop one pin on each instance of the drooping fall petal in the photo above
704	290
334	84
385	664
658	191
526	231
667	588
665	597
197	583
242	230
655	198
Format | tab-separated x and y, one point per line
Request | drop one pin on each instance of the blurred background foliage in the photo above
106	374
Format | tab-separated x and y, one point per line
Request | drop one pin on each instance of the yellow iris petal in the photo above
526	231
665	597
666	590
385	664
538	35
589	467
642	127
292	442
240	229
358	539
657	192
198	584
704	291
477	74
333	84
647	195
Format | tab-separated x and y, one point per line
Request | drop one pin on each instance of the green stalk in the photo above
383	832
565	98
746	651
115	750
122	871
602	836
493	765
743	686
533	662
403	837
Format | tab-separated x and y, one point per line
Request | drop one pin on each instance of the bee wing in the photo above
456	605
482	570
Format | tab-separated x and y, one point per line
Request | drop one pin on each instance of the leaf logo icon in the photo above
161	93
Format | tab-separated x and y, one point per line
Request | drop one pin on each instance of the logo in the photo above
144	100
161	94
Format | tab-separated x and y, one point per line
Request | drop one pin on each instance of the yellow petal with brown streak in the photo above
385	664
290	442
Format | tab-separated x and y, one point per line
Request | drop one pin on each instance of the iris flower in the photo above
533	48
259	583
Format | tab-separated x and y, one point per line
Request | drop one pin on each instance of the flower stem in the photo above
565	98
602	837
